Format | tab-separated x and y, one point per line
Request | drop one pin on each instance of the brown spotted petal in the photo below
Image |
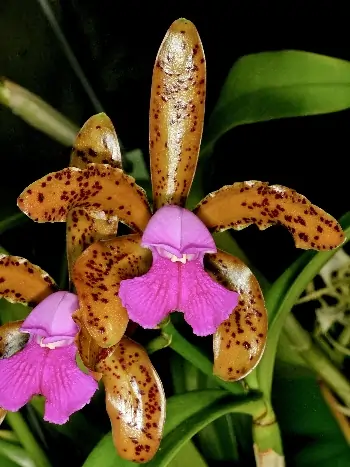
96	143
135	401
23	282
97	275
240	340
176	113
97	188
87	346
11	339
239	205
85	228
2	415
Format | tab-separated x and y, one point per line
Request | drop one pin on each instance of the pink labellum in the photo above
47	364
177	280
52	373
52	318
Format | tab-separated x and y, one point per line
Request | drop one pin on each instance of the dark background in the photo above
116	44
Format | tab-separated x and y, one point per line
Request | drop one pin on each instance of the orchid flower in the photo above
166	264
38	356
178	241
46	364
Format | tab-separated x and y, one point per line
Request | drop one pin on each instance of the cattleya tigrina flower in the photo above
45	364
135	398
118	278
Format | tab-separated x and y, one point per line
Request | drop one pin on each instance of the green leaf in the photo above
188	455
179	408
139	170
217	441
311	435
82	433
37	113
16	454
13	220
172	443
8	435
12	311
32	448
281	297
6	462
273	85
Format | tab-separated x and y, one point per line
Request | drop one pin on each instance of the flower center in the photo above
174	259
53	345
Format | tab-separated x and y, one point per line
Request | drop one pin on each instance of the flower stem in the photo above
268	446
316	359
158	343
193	355
21	429
268	449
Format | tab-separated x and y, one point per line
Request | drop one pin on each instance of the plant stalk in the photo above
316	359
193	355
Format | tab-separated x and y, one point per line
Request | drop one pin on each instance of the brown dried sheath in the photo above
176	113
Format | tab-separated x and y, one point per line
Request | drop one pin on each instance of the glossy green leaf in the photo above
272	85
281	297
217	441
197	357
178	409
16	454
83	434
172	443
188	456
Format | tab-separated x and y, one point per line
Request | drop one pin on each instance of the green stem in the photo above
158	343
317	360
332	355
193	355
344	337
268	448
21	429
